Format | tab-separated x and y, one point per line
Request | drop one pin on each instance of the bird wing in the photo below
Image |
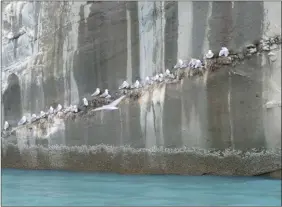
99	108
221	52
116	102
105	107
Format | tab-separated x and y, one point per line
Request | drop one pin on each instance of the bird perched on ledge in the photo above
59	108
105	94
33	118
124	85
223	52
136	84
22	121
51	110
85	102
6	125
96	93
209	55
42	114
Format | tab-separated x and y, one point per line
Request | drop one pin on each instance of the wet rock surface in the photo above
104	158
221	106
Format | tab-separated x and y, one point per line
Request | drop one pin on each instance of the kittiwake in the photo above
136	84
59	108
51	110
198	64
167	72
96	93
106	92
6	125
74	109
223	52
42	114
192	63
33	118
209	55
124	85
22	121
85	102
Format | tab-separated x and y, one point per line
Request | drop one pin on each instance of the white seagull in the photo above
179	64
124	85
198	64
167	72
161	77
33	118
97	92
156	78
22	121
42	114
51	110
223	52
209	55
59	108
148	81
74	109
85	102
136	84
192	63
111	106
6	125
106	92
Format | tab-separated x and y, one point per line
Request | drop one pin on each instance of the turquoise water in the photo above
50	188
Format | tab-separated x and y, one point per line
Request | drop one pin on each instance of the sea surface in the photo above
57	188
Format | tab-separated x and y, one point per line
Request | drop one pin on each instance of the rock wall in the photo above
60	52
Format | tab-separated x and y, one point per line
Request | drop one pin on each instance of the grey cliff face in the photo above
60	52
